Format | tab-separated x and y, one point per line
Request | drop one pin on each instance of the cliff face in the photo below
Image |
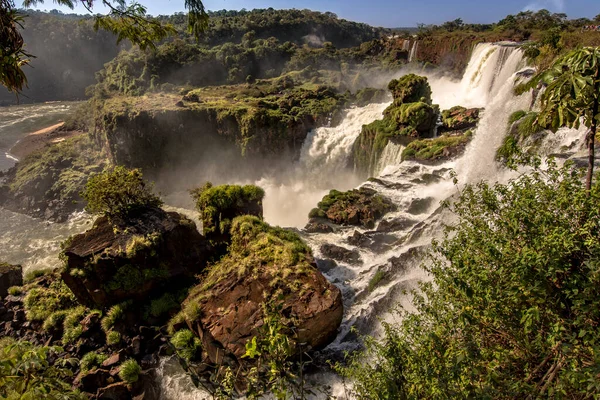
245	134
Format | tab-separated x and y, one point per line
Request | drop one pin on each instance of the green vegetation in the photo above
434	149
219	205
572	96
113	338
376	280
58	171
15	290
355	207
513	308
129	371
73	323
517	115
28	372
36	273
410	88
187	344
40	302
163	305
54	322
119	192
256	249
91	361
114	315
524	125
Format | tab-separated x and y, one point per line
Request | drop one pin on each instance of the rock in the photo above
227	309
110	264
317	226
10	275
116	391
377	242
358	207
395	225
114	360
147	386
340	253
420	206
459	118
93	380
326	265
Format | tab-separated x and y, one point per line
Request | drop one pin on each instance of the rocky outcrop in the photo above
110	263
265	266
459	119
410	117
358	207
10	275
47	183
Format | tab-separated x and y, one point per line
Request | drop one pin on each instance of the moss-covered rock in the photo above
437	150
459	118
524	134
47	183
265	265
369	95
358	207
411	116
410	88
110	264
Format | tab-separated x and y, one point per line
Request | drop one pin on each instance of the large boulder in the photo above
110	263
459	118
264	266
410	88
10	275
358	207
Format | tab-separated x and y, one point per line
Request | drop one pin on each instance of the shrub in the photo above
514	305
130	371
118	192
91	360
187	344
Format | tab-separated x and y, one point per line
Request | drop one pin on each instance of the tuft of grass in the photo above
163	305
517	115
130	371
91	361
113	338
177	319
34	274
113	315
41	302
15	290
187	344
55	320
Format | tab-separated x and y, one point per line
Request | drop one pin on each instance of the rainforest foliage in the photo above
513	308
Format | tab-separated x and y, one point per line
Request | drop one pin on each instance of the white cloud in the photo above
551	5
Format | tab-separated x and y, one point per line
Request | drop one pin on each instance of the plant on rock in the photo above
119	192
513	310
129	371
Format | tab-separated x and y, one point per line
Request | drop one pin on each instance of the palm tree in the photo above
572	96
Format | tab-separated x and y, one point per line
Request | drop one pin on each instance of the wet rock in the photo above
459	118
358	207
326	265
395	224
340	253
420	206
116	391
114	360
147	386
10	275
110	264
316	225
93	380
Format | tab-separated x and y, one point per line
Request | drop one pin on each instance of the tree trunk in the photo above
591	139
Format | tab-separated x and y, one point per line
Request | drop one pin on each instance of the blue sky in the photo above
389	13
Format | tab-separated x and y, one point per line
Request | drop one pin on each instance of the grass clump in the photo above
41	302
187	344
15	290
376	280
91	361
72	323
36	273
114	315
113	338
163	305
54	322
517	115
129	371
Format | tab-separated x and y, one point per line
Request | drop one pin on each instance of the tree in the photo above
126	21
572	96
513	310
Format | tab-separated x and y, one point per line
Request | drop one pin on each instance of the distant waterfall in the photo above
406	45
413	52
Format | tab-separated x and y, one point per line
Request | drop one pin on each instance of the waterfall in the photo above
413	52
406	45
391	155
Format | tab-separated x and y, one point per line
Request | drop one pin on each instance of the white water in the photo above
413	52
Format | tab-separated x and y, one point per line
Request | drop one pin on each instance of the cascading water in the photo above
413	52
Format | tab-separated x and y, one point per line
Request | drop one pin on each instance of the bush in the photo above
119	192
186	344
514	305
130	371
40	302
